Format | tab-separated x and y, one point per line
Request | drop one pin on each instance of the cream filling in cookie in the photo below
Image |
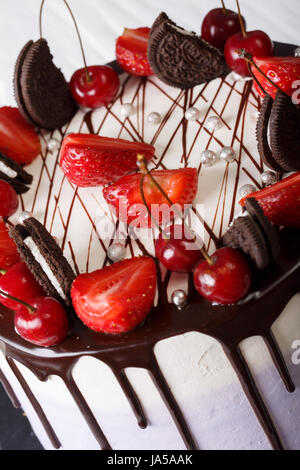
8	171
34	249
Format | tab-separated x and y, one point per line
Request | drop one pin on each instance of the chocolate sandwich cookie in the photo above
180	58
42	93
262	129
44	258
14	174
277	133
253	233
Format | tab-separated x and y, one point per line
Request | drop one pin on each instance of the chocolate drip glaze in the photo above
229	325
9	390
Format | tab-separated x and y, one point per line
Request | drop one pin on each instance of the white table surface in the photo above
100	22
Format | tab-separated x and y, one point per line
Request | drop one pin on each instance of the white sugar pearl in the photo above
227	154
116	252
126	110
247	189
268	178
214	123
208	158
154	118
53	145
297	52
192	114
179	298
23	216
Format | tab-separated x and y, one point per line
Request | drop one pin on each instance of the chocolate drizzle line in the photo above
229	325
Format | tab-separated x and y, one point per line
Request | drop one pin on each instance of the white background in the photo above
100	22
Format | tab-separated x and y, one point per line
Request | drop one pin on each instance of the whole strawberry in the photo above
117	298
131	51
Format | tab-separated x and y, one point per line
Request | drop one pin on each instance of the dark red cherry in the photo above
227	280
218	25
256	42
179	253
18	282
44	322
99	90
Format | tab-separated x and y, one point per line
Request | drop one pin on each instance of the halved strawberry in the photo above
8	250
125	195
283	71
18	139
281	201
131	51
91	160
117	298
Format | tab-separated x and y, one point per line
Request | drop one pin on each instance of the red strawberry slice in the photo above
125	195
283	71
131	51
117	298
281	201
8	250
91	160
18	139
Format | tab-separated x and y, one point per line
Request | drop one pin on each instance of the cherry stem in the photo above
254	78
249	58
224	7
30	308
148	209
142	163
241	20
3	271
88	76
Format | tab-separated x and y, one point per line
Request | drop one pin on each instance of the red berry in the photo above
283	71
125	195
18	139
131	51
219	25
256	42
227	280
91	160
45	327
180	252
20	283
9	201
99	91
8	251
117	298
281	201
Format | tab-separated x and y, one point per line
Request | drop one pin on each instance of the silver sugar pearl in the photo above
154	118
192	114
23	216
53	145
126	110
268	178
214	123
179	298
247	189
208	158
297	52
227	154
116	252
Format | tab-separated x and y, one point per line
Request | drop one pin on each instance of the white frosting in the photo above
7	170
194	365
44	265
